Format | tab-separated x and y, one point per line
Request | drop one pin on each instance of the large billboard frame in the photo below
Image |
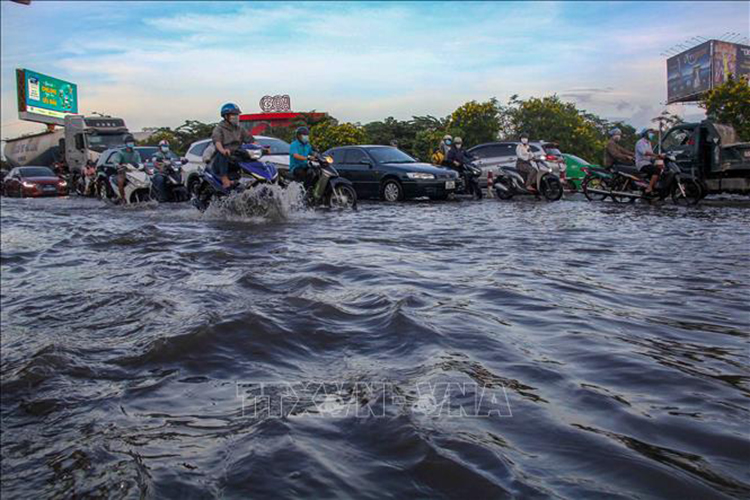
696	71
40	104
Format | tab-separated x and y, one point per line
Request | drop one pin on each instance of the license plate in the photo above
450	184
747	153
50	188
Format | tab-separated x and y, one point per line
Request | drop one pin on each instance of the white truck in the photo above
82	138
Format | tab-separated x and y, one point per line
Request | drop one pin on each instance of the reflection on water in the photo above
459	349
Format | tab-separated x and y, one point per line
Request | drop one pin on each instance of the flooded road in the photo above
431	350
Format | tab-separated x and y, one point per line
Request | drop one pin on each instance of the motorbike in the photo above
625	184
174	189
137	183
509	182
327	187
246	172
469	173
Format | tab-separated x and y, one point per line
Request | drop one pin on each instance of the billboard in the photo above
694	72
45	99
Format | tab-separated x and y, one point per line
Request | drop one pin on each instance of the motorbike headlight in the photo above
254	154
329	159
420	175
62	183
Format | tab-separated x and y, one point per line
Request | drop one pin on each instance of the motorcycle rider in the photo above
89	172
644	159
457	158
524	155
159	180
440	156
614	153
299	153
227	137
123	157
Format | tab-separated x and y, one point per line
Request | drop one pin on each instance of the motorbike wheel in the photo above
102	190
342	196
140	197
692	193
594	182
551	188
507	193
622	185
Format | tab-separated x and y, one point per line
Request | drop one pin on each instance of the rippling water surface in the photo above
608	345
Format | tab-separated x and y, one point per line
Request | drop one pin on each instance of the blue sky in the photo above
159	63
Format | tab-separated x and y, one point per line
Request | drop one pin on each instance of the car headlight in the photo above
27	184
63	183
420	175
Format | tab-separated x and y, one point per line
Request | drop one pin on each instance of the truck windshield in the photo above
100	142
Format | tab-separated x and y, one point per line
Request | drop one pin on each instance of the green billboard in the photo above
44	98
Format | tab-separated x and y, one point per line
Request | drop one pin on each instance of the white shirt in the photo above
523	152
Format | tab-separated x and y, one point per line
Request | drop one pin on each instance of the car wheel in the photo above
392	191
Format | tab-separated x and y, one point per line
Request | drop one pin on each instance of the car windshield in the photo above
100	142
37	172
578	159
390	155
277	146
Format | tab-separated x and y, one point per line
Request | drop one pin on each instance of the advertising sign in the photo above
702	68
689	73
44	98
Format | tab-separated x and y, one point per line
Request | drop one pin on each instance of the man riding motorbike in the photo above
125	156
614	154
227	137
159	180
524	155
299	153
457	159
644	159
89	173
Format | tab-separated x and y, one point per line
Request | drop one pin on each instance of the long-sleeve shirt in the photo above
642	151
614	153
523	152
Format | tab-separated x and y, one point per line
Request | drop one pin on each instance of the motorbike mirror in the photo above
183	161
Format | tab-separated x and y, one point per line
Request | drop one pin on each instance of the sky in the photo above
161	63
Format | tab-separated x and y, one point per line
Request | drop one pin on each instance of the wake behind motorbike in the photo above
510	182
137	183
624	184
327	188
247	171
174	189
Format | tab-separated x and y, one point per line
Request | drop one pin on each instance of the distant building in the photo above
257	123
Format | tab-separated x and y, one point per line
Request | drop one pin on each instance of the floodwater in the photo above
429	350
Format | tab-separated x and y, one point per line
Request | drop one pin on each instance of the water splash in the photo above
268	202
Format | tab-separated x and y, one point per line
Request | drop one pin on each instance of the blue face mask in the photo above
447	143
130	145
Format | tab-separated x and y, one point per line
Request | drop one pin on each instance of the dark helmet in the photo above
129	138
394	143
230	109
302	131
524	135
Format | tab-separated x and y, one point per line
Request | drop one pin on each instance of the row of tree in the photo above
549	118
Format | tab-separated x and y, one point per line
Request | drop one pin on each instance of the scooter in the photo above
327	188
174	189
246	172
137	184
625	185
509	182
469	174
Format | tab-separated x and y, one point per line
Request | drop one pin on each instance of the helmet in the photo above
614	132
230	109
302	131
163	142
129	138
458	140
447	137
394	143
645	132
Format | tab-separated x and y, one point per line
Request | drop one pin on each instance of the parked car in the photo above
34	182
387	173
491	156
574	173
276	152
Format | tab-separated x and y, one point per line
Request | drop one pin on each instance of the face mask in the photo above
130	145
650	137
305	138
617	138
234	119
447	143
458	145
165	149
524	141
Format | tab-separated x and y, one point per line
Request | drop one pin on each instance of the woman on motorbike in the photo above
524	156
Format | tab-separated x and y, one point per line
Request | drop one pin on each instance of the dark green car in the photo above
574	169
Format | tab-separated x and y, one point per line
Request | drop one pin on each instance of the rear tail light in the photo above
585	170
552	158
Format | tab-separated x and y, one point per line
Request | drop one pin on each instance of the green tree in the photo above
476	122
729	103
328	134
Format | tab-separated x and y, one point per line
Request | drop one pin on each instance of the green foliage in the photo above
729	103
328	134
476	122
182	137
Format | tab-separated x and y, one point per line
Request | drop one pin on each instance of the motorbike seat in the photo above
626	169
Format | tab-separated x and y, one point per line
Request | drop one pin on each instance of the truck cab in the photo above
711	152
87	137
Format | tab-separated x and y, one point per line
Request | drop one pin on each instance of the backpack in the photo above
438	157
